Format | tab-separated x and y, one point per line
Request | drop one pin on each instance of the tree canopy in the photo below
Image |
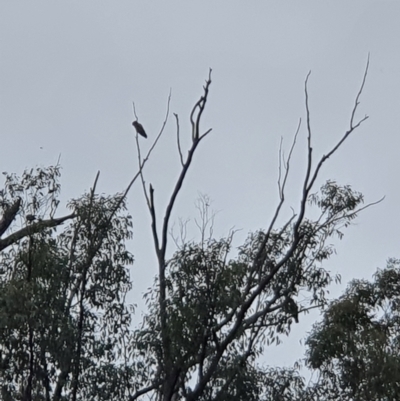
355	348
65	325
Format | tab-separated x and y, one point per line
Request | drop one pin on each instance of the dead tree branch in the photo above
239	317
169	372
33	229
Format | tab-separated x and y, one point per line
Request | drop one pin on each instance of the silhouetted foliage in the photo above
62	294
65	326
356	347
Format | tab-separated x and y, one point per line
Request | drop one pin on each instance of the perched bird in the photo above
30	218
139	128
293	309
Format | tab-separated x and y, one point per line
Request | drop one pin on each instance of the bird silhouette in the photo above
30	218
139	128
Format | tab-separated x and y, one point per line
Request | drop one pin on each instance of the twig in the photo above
178	137
134	110
200	105
359	93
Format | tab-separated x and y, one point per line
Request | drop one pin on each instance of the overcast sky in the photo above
70	71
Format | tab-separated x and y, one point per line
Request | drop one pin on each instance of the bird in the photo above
30	218
139	128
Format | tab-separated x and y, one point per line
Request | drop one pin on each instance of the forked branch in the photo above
240	318
169	372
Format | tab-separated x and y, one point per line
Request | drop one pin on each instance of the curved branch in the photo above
308	183
178	138
33	229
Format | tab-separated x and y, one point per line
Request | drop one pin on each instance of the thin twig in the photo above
134	110
178	138
287	164
359	93
153	221
200	105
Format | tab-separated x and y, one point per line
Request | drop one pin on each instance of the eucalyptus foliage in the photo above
63	315
356	347
65	325
223	313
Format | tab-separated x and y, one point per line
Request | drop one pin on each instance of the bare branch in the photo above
180	238
309	150
178	138
161	130
205	134
359	93
287	164
196	140
33	229
91	199
170	374
93	189
309	180
281	158
141	173
153	220
134	110
346	135
282	200
200	105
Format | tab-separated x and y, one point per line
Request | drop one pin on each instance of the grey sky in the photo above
70	71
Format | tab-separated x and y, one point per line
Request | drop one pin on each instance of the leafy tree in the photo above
210	316
63	317
64	323
356	347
